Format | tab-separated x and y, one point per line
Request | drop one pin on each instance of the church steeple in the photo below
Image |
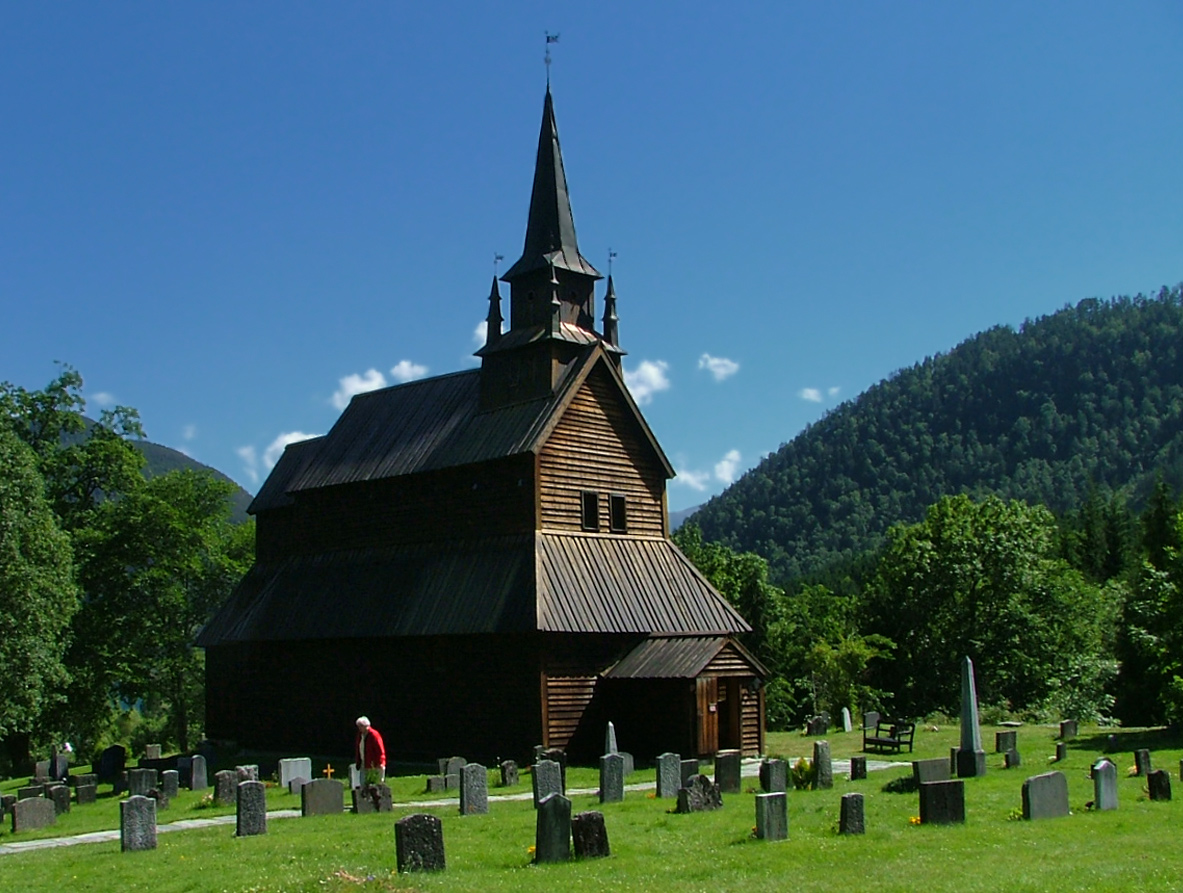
494	319
611	320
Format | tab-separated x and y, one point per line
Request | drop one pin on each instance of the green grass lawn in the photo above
1136	847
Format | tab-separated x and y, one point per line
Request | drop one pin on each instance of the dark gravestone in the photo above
1142	761
198	773
700	795
1159	784
611	778
1111	743
32	790
170	783
322	796
1061	752
774	776
252	809
32	813
727	771
1068	729
858	768
185	772
111	764
547	779
1013	761
41	770
86	793
59	767
509	774
436	784
1104	774
226	787
852	819
59	794
248	772
1004	741
669	775
1045	796
552	831
942	802
85	778
817	725
419	843
772	816
295	785
823	768
689	770
141	781
137	824
474	789
590	836
930	770
371	798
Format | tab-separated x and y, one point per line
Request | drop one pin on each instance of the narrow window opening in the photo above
617	513
590	505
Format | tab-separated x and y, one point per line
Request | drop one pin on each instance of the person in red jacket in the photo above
369	753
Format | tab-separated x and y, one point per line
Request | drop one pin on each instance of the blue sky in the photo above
229	215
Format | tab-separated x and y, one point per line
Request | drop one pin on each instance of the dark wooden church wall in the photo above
729	663
596	446
651	716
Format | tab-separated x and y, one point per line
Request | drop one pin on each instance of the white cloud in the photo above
833	392
695	480
275	450
480	333
813	395
189	432
405	371
720	367
726	467
647	379
250	462
103	399
353	384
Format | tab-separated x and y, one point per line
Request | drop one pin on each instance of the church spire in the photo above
611	320
494	319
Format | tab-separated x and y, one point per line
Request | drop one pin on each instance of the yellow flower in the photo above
530	850
914	820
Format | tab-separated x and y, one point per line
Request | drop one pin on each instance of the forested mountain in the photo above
1087	398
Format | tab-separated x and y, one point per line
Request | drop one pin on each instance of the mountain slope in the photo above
1089	396
161	460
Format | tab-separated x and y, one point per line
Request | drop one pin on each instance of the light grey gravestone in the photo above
630	764
151	751
971	758
322	796
419	843
610	739
137	824
252	809
371	798
552	831
558	755
1104	774
198	774
41	770
86	793
772	816
1159	784
611	778
942	802
930	770
1142	761
852	818
59	794
689	770
847	722
474	789
1061	752
823	767
548	779
858	768
226	787
1004	741
141	781
436	784
32	813
669	775
170	783
700	795
247	773
294	767
774	776
1068	729
453	766
590	836
1045	796
451	782
295	785
1013	760
509	774
727	771
871	719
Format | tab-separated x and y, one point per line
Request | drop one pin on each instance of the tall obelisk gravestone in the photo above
971	758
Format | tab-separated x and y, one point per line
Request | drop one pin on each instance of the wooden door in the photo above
707	690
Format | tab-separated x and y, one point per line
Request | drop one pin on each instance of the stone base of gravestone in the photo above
1045	796
322	796
86	793
1159	784
252	809
1061	752
552	832
226	787
170	783
1068	729
1004	741
852	818
669	775
295	785
137	824
590	836
942	802
371	798
436	784
700	795
32	813
509	774
474	789
689	770
547	778
60	795
611	778
198	773
930	770
774	776
971	763
419	843
823	767
1013	760
140	781
772	816
1142	761
858	768
727	771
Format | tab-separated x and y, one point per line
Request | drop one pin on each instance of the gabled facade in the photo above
481	562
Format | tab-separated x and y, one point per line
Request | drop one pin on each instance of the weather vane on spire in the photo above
611	257
497	258
550	38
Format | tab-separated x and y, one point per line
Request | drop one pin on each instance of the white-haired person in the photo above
369	753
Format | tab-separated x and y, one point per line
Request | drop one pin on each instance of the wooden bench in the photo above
889	735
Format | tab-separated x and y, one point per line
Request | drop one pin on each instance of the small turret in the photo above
494	319
611	320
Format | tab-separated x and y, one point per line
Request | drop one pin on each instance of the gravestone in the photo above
689	770
971	758
1159	784
589	835
474	789
252	809
610	739
371	798
700	795
436	784
247	773
772	816
1111	743
847	722
111	763
1004	741
198	778
141	781
727	771
552	830
32	813
823	768
924	771
295	785
1142	761
322	796
185	771
33	790
858	768
669	775
630	765
86	793
161	797
83	778
871	719
226	787
453	765
818	725
611	778
942	802
59	795
547	779
1045	796
151	751
419	843
953	751
852	818
170	783
452	782
59	766
558	755
1013	760
509	774
41	771
1068	729
137	824
1104	774
774	776
1061	752
294	767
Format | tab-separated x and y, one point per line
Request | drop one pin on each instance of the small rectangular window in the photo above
617	513
590	505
